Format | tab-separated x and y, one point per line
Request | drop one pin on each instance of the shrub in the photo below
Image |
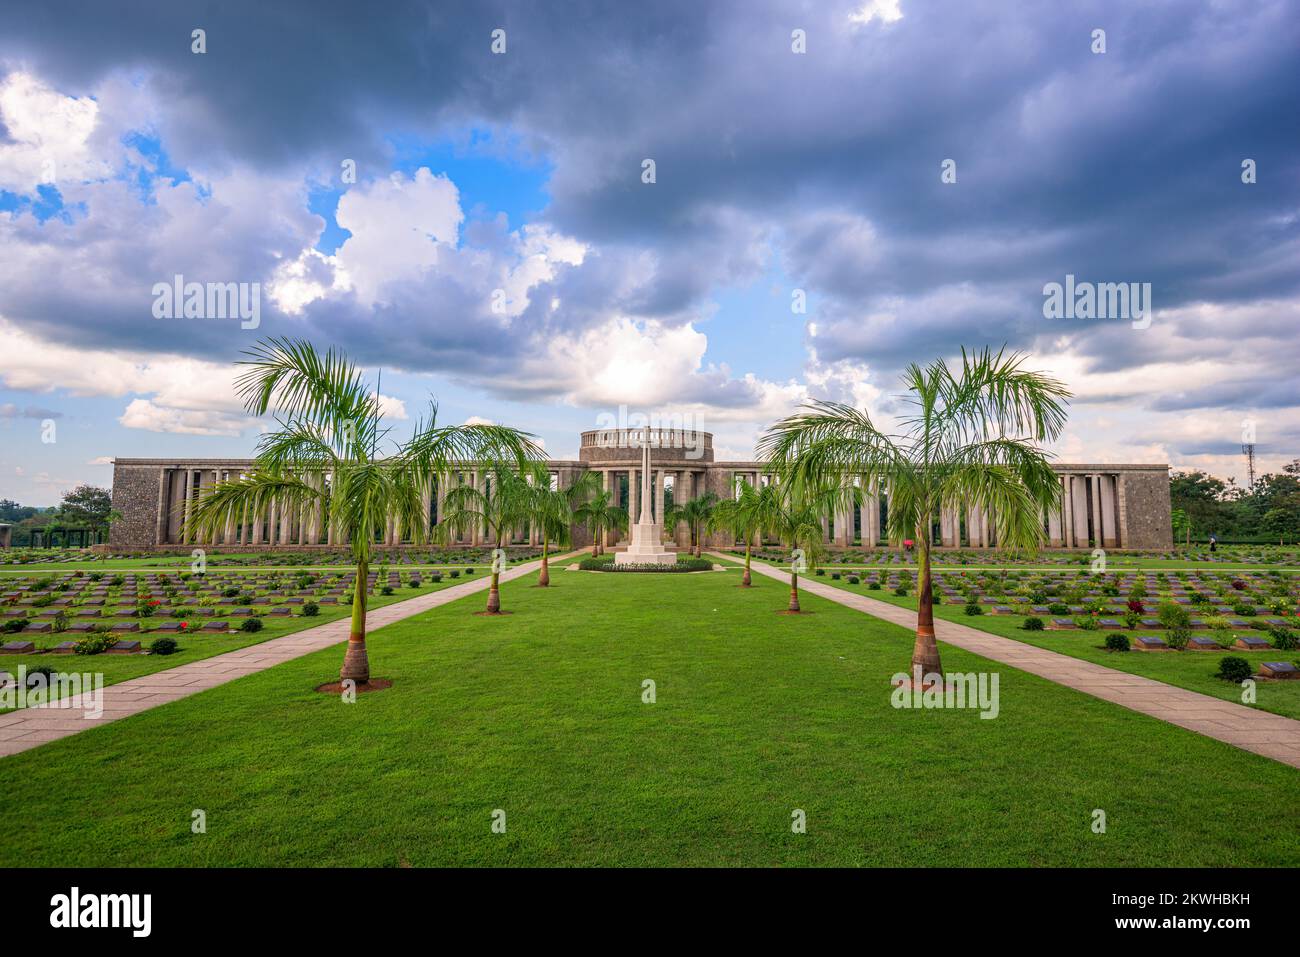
1032	624
1283	638
310	609
454	573
15	625
435	577
1177	621
251	624
1234	669
853	579
386	590
42	602
469	571
1117	642
163	646
873	586
95	644
230	592
1087	622
1058	608
835	576
901	591
973	608
820	571
1135	606
1244	609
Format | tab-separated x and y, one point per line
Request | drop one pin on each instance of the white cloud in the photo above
49	135
101	460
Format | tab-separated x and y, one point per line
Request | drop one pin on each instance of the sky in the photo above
839	189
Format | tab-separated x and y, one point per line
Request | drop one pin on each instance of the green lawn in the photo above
1193	670
540	714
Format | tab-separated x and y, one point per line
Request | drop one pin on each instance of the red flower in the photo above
184	625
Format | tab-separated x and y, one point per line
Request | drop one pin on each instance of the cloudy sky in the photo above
500	249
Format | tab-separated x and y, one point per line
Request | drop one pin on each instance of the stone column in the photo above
974	521
476	534
1067	510
1109	533
273	523
659	496
185	506
1121	505
633	503
609	486
1097	537
160	529
1080	506
1054	526
229	537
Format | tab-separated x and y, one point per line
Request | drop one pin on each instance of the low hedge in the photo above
606	564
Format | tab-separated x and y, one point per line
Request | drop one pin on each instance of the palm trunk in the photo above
745	578
794	591
544	578
356	663
925	653
494	595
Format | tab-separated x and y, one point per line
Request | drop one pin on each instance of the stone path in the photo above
29	727
1271	735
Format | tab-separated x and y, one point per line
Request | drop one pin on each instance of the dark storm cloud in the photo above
1116	167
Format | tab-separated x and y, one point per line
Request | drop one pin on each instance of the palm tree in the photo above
794	511
554	511
500	506
974	436
600	514
332	456
695	514
745	516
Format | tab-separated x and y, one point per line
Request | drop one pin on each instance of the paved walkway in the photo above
1271	735
29	727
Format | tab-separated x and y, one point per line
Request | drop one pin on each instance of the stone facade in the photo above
1108	506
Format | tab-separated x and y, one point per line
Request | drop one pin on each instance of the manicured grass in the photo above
540	713
1193	670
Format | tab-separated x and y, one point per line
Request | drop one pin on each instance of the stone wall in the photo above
135	496
1147	518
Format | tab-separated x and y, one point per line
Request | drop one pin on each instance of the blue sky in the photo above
516	178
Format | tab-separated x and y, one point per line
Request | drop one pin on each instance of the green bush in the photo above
435	577
1117	643
251	624
14	625
1283	638
973	608
386	590
454	573
1234	669
873	586
163	646
95	644
853	579
1244	609
231	592
1178	623
310	610
1058	608
1032	624
901	591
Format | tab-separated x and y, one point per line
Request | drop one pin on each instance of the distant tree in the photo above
12	513
89	506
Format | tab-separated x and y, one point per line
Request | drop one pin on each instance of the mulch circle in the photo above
374	684
492	614
787	611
